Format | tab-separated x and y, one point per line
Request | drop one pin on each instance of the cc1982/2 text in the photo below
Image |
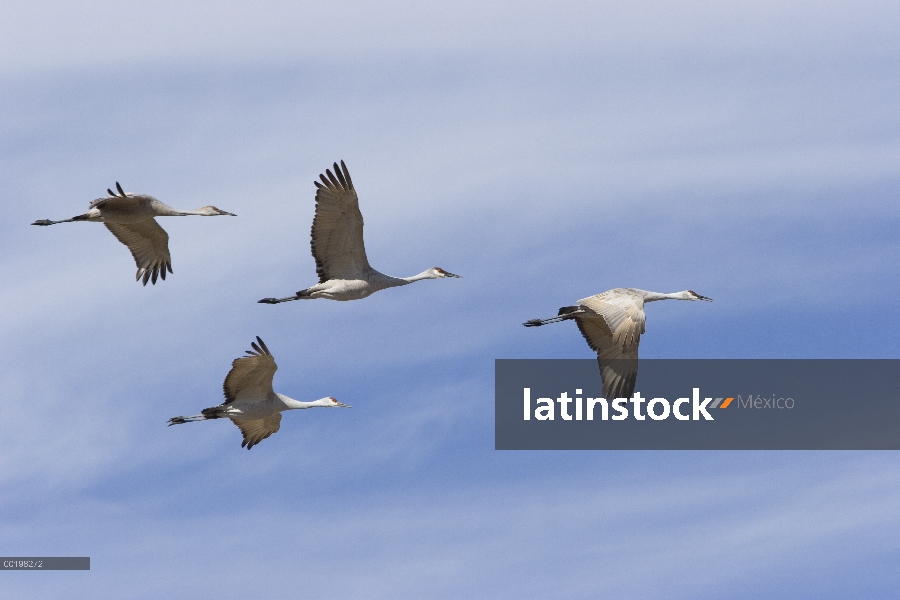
23	564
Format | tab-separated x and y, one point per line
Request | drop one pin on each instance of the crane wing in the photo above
149	245
337	229
614	331
622	311
121	204
251	376
256	430
618	363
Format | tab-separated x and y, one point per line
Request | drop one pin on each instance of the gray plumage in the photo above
338	247
250	401
612	324
130	217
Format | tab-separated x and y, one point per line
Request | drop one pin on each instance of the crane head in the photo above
695	296
438	273
332	402
212	211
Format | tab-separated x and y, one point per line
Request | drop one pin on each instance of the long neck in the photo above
427	274
174	212
291	404
382	281
654	296
164	210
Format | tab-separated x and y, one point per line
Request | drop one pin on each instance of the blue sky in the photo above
545	152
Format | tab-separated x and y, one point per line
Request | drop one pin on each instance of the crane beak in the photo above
342	404
227	213
699	297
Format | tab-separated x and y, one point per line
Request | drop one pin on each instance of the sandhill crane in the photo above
337	245
129	217
250	401
612	324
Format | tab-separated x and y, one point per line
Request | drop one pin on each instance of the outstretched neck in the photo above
385	281
427	274
161	209
174	212
654	296
432	273
291	404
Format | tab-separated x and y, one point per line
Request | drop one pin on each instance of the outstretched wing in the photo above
149	245
613	327
623	312
337	229
618	364
256	430
250	377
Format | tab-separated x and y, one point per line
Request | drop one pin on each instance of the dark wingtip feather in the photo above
334	181
110	192
347	175
263	345
340	175
119	187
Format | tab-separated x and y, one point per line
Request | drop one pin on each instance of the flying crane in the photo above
129	217
612	324
250	401
338	248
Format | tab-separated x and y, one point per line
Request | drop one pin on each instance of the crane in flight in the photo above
129	217
338	248
612	324
250	401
